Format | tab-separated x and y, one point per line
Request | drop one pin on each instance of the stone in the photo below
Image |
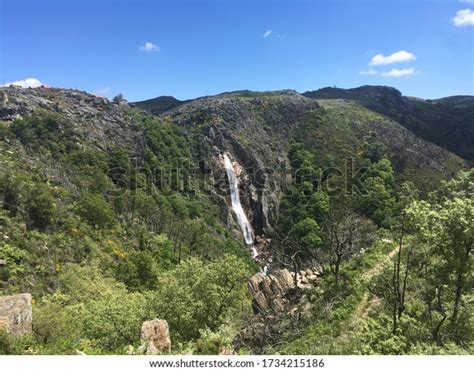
259	302
155	334
264	286
275	286
16	314
305	286
278	305
319	271
285	278
225	351
254	283
268	291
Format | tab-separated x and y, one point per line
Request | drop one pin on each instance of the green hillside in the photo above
112	216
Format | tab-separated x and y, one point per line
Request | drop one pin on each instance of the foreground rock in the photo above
156	336
16	314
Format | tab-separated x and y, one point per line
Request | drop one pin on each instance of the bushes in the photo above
41	206
195	295
95	210
45	131
138	271
90	311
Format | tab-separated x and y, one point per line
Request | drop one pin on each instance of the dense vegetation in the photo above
106	239
409	292
108	246
448	122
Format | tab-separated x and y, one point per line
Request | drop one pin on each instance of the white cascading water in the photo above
237	206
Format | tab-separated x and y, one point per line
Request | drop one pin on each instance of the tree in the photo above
95	210
407	195
346	235
445	223
138	271
46	130
41	207
91	310
307	234
377	201
197	295
118	99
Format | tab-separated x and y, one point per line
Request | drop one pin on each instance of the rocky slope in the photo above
255	129
63	151
96	122
447	122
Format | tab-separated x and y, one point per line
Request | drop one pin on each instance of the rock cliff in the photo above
16	314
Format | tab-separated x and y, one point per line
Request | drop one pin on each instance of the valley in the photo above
248	222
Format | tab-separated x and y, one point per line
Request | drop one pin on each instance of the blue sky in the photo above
200	48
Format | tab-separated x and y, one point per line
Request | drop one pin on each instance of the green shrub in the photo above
41	207
45	131
95	210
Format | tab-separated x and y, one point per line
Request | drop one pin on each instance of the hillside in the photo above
159	105
447	122
112	216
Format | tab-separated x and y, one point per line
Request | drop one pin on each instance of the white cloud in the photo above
400	56
267	33
30	82
464	17
466	1
370	71
149	47
398	73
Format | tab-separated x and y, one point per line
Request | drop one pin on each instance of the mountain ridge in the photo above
447	122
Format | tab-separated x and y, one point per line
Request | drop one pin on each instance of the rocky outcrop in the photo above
231	123
16	314
155	336
271	292
95	121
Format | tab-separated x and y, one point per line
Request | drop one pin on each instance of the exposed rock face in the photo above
231	122
269	292
96	121
16	314
156	336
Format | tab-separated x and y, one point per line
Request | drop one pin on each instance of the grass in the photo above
341	310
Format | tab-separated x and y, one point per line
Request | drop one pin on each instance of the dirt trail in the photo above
363	308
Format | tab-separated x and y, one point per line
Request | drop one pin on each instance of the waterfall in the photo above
237	206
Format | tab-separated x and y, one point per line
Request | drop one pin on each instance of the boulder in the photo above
278	305
155	334
225	351
319	270
259	302
254	283
285	278
268	291
16	314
